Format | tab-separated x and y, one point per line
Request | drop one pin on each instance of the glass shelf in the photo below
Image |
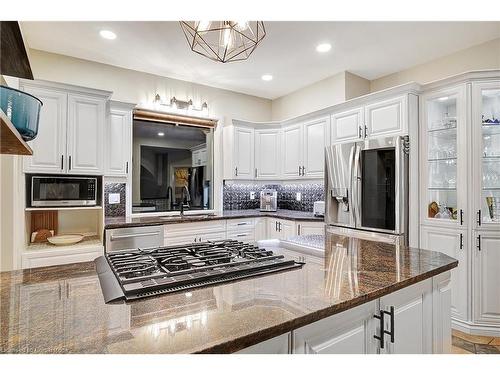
442	159
442	188
443	129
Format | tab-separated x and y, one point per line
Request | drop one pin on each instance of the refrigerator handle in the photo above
356	193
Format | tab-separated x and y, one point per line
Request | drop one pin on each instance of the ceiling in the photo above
368	49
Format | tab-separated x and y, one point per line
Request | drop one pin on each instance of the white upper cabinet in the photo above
292	151
486	155
118	148
486	278
443	157
387	117
453	243
347	126
49	146
71	130
243	153
86	122
315	140
267	153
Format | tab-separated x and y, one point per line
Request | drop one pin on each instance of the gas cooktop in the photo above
139	273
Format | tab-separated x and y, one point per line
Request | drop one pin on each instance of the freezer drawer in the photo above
133	238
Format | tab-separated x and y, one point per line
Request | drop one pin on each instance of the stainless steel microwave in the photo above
63	191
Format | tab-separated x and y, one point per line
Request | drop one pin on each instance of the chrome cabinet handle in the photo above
299	170
298	229
366	131
122	236
360	132
303	171
255	172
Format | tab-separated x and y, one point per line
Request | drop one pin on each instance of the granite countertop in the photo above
122	222
60	309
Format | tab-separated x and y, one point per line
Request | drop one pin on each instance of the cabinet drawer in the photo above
240	224
244	235
194	229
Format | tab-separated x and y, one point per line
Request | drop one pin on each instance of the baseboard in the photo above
475	329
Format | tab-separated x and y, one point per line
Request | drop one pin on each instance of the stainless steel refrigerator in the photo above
366	186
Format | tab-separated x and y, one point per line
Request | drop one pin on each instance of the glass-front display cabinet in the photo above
443	158
486	149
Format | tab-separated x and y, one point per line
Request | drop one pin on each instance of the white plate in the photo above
65	239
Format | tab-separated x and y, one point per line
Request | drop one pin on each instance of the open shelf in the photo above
62	208
87	242
11	141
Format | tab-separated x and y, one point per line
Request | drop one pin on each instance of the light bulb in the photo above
226	38
241	25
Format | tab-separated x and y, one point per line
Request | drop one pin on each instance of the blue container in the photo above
22	109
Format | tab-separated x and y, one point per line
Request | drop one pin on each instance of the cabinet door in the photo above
347	126
310	227
276	345
267	154
261	228
412	319
315	140
453	243
49	146
196	158
272	229
387	117
118	143
286	229
292	151
486	155
40	305
86	118
349	332
486	278
444	157
243	153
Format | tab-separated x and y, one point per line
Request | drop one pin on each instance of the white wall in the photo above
136	87
327	92
310	98
480	57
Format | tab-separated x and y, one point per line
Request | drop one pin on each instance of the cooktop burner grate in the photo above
151	271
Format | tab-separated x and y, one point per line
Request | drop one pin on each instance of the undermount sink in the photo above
177	217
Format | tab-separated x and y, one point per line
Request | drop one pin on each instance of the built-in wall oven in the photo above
366	185
62	191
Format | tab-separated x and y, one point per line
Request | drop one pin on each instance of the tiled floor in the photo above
464	343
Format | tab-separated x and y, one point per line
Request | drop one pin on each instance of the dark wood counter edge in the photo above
271	332
187	219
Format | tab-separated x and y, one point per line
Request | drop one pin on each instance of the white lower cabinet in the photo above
411	325
486	278
349	332
182	233
454	243
280	229
420	323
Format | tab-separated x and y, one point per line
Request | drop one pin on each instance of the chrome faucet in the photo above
185	194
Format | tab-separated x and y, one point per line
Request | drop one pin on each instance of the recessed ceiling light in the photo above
107	34
323	47
161	134
267	77
443	99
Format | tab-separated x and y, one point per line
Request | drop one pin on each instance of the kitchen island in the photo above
327	306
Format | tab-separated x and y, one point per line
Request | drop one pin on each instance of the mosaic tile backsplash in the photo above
237	196
114	209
